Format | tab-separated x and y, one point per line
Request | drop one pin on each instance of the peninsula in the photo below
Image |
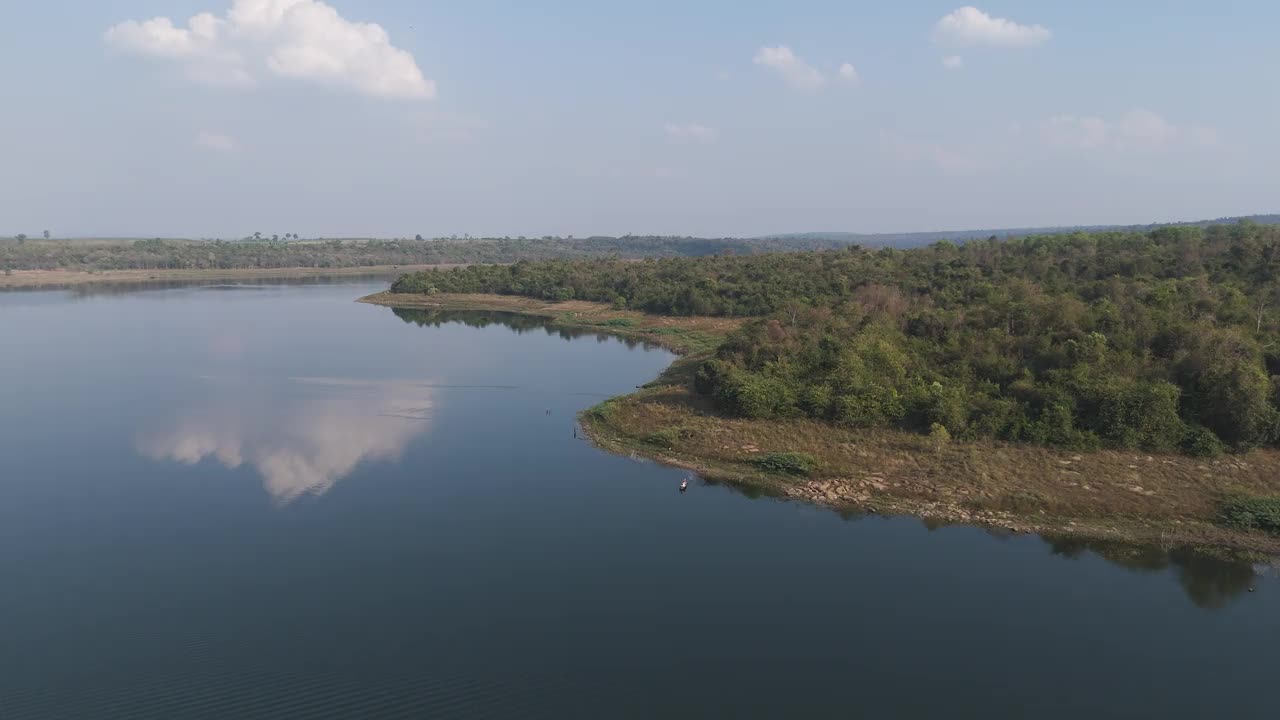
1113	385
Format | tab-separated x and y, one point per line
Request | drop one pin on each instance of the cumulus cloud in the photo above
295	39
953	62
691	132
1136	130
848	73
215	141
971	27
795	72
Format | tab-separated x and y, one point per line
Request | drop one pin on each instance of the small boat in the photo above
684	484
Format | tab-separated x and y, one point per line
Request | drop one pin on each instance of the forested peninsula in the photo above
1084	346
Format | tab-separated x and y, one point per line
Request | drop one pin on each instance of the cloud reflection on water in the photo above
303	440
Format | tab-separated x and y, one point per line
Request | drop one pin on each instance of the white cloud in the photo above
692	132
296	39
953	62
1143	127
161	38
970	27
795	72
1136	130
215	141
849	73
1203	137
1083	133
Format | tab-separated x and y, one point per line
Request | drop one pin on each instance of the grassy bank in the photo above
36	279
1109	495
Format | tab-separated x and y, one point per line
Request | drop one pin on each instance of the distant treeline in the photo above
917	239
158	254
21	252
1159	340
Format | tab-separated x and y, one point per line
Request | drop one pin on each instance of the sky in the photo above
219	118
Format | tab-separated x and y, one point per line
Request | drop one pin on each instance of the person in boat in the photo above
684	484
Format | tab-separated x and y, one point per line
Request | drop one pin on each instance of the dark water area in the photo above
268	501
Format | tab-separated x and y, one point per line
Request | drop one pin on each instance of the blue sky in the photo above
577	117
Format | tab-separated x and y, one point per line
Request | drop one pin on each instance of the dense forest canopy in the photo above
1159	340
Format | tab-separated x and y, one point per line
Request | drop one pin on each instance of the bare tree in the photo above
1265	299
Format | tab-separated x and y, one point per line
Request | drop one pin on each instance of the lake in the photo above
269	501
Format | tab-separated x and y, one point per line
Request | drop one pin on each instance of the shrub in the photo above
711	375
791	463
815	400
938	405
1138	414
619	322
939	436
874	406
1201	442
754	396
1251	513
667	437
603	411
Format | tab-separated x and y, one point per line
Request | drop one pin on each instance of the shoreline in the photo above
55	279
1110	495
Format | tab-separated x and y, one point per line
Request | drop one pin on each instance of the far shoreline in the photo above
1119	496
54	279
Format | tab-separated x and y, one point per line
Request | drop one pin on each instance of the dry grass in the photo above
1110	494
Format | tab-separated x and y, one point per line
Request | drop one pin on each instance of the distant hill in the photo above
917	239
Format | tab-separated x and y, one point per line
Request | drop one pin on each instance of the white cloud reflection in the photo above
302	441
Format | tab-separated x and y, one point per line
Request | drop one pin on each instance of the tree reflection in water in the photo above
1210	581
515	321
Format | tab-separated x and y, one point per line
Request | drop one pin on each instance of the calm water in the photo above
272	502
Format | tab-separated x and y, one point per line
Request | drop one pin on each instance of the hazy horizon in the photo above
386	118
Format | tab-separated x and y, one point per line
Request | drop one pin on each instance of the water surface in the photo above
269	501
